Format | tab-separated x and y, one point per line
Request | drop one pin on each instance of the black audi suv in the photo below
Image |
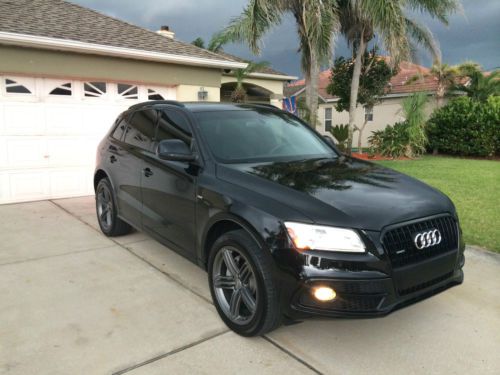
286	225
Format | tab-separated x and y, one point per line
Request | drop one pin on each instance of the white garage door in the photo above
49	130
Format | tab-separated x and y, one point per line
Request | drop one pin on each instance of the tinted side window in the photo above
141	129
120	129
173	124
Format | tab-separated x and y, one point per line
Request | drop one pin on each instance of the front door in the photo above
169	188
138	142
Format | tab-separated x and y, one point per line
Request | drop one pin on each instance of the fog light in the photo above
324	293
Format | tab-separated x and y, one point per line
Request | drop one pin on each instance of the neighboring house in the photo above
386	112
66	72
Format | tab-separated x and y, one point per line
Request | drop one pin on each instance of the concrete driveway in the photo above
75	302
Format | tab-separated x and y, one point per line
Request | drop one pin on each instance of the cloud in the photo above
473	35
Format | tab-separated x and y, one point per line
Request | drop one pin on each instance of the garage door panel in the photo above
23	119
64	120
28	185
23	152
69	182
98	121
71	151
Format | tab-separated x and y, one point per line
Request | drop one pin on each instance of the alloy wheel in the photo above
235	285
105	207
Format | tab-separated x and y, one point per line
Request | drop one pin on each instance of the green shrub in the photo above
341	134
391	141
466	127
414	112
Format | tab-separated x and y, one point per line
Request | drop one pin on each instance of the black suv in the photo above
286	226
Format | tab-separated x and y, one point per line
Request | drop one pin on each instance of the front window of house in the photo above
328	119
368	113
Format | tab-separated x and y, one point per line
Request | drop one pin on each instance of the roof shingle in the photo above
64	20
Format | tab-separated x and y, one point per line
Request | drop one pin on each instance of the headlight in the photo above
317	237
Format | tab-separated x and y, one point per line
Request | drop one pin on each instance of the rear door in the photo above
169	188
138	143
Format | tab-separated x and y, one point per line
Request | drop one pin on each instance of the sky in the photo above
473	34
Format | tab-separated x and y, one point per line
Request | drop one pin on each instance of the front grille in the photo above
399	245
424	285
350	303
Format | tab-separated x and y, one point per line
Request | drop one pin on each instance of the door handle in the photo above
113	158
147	172
112	148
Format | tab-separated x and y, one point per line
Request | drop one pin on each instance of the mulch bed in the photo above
366	156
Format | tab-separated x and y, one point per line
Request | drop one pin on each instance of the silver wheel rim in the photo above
235	285
104	207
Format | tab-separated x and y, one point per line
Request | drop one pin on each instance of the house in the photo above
66	72
386	112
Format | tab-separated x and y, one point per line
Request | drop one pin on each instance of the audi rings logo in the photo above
427	239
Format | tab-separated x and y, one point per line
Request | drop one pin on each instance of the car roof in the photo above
202	106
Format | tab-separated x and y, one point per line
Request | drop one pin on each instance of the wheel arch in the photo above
221	224
98	176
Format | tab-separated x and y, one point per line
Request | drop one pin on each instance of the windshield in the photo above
253	135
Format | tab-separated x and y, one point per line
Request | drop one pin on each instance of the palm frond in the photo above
439	9
423	36
257	18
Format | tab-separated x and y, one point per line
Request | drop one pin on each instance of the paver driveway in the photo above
75	302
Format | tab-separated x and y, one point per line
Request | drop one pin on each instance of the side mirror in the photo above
174	150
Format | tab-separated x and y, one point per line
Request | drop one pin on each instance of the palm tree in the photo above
362	19
239	94
199	42
477	85
316	21
445	77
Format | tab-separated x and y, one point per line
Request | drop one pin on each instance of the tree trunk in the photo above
440	96
314	90
353	100
311	81
360	134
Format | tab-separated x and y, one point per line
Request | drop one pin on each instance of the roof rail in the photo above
154	102
269	105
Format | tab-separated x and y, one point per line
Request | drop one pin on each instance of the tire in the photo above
254	269
107	216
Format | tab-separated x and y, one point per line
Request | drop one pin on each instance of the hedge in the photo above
466	127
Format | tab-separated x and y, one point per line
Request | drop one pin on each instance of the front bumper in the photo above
369	294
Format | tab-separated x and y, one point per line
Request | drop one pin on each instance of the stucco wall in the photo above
189	93
272	85
35	62
385	113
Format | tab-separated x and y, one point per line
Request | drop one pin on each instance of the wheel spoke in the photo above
245	272
235	304
104	213
248	299
224	282
231	263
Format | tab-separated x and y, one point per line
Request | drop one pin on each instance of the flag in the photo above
290	105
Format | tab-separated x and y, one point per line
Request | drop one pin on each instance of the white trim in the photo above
389	96
91	48
273	76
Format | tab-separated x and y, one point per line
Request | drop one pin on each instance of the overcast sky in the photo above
474	35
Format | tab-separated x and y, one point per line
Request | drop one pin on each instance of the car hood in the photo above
343	191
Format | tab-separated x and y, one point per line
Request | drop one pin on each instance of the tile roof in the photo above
64	20
397	83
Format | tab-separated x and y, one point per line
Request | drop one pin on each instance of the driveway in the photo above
75	302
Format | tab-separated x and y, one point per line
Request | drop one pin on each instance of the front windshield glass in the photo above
256	135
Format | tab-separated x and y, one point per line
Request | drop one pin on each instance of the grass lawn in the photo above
474	187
